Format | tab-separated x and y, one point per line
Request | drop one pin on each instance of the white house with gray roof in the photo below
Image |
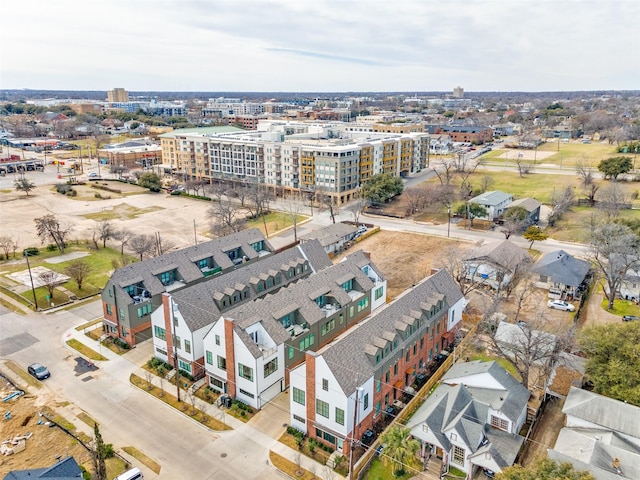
134	291
190	311
560	273
494	264
495	201
375	361
472	420
332	237
250	349
601	435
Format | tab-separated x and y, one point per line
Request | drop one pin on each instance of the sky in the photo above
320	45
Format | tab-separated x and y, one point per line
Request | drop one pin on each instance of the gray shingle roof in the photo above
529	204
196	302
561	267
494	197
346	356
332	233
183	261
65	469
300	297
503	253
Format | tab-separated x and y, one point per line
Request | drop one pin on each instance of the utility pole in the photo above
175	348
353	433
448	220
33	290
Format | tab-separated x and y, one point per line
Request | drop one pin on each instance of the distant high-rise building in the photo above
117	95
458	92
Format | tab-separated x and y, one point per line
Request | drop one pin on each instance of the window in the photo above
292	352
325	384
379	292
124	331
159	332
222	363
386	377
348	285
248	394
217	339
298	396
339	416
299	419
407	356
178	342
109	308
306	342
458	455
351	311
270	367
377	408
363	303
245	372
365	401
322	408
327	327
186	366
144	310
395	369
167	278
499	423
378	385
187	346
121	314
209	356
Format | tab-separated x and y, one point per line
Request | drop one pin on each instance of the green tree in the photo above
534	233
471	211
381	187
99	455
515	220
613	364
544	469
24	185
400	448
614	166
151	181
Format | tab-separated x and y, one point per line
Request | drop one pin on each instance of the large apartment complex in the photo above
295	157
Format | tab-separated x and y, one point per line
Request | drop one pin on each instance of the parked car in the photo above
488	473
93	175
561	305
630	318
38	371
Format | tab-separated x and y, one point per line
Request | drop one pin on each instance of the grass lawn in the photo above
276	221
84	350
380	471
575	225
621	307
42	295
503	362
122	212
289	468
138	455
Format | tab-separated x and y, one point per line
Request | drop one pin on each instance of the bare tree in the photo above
356	207
293	211
78	270
104	231
522	292
326	201
445	171
149	378
6	242
118	170
486	183
14	247
49	228
196	185
192	399
161	373
524	166
615	249
50	280
124	237
516	219
142	245
414	198
226	216
611	200
561	203
24	185
584	172
453	261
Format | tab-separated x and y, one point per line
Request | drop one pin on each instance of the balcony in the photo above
297	330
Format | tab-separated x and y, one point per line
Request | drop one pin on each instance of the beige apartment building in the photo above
117	95
294	158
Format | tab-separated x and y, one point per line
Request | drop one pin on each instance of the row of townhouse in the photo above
134	291
247	345
346	387
295	157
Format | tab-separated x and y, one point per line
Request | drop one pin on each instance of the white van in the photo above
133	474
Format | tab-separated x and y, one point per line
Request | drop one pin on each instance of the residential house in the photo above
630	286
343	389
495	202
440	145
134	291
473	419
495	264
531	205
64	469
601	435
332	237
561	274
251	349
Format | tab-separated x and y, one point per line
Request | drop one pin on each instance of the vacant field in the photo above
404	258
557	153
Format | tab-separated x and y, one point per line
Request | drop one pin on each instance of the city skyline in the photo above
324	46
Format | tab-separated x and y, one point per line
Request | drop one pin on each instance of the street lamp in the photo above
33	290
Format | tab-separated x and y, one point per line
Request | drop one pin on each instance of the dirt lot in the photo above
46	443
404	258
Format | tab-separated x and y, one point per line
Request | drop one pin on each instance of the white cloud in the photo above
323	45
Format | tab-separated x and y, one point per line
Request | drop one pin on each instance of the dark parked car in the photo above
630	318
38	371
368	437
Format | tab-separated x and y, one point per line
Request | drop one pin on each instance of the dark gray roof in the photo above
503	446
350	349
300	297
184	260
561	267
528	203
65	469
332	233
511	399
503	253
196	302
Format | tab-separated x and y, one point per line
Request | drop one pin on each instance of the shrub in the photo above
63	188
31	251
156	363
109	452
187	375
121	343
51	247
